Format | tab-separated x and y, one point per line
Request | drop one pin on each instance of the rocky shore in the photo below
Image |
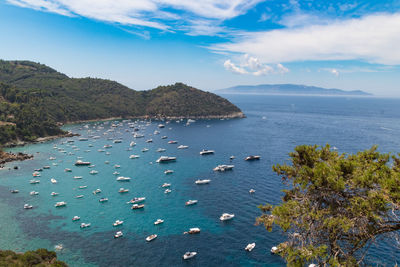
8	157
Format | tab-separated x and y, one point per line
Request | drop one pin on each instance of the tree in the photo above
337	205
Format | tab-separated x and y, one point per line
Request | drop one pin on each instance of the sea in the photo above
274	126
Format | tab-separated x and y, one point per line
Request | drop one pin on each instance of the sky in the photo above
211	44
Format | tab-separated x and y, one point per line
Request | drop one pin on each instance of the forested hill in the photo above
34	97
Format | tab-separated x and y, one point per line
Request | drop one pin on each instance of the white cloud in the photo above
373	38
159	14
251	65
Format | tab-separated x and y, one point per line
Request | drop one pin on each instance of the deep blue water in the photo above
273	127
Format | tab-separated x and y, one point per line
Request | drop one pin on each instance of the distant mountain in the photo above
35	99
287	89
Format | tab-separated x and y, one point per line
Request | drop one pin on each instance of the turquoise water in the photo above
274	126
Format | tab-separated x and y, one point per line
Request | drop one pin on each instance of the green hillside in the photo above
34	98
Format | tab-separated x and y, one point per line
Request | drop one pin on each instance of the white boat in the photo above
206	152
85	225
53	181
189	255
136	200
249	158
67	170
222	168
117	166
36	174
79	196
190	202
205	181
82	163
167	191
60	204
116	173
95	192
193	231
83	139
164	137
93	172
172	142
226	216
250	246
54	194
165	159
76	218
168	171
46	167
123	190
166	185
78	177
145	149
107	146
27	206
161	126
14	191
137	206
134	156
118	222
132	144
149	140
52	158
33	193
156	132
118	234
104	199
117	141
182	147
33	181
159	221
161	150
251	191
82	186
274	250
151	237
232	157
123	179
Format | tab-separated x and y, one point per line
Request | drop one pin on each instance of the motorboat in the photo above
145	149
249	158
136	200
134	156
164	137
67	170
54	194
161	150
226	216
27	206
166	185
251	191
190	202
189	255
79	196
38	170
83	139
117	141
250	246
53	181
206	152
222	168
132	144
103	199
107	146
33	181
156	132
106	162
118	222
82	163
159	221
76	218
85	225
149	141
182	147
36	174
93	172
205	181
193	231
123	190
161	126
232	157
52	158
172	142
165	159
14	191
137	206
116	173
46	167
123	179
60	204
151	237
82	186
167	191
78	177
95	192
34	193
91	166
117	166
118	234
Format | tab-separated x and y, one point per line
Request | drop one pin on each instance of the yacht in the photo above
67	170
117	141
14	191
123	179
118	222
156	132
77	177
134	156
117	166
79	196
85	225
149	141
168	171
164	137
226	216
193	231
161	150
60	204
136	200
252	158
137	206
116	173
165	159
93	172
189	255
251	191
46	167
250	246
83	139
54	194
161	126
172	142
132	144
123	190
190	202
222	168
167	191
95	192
33	193
151	237
76	218
27	206
36	174
53	181
82	186
145	149
82	163
33	181
103	199
205	181
182	147
118	234
166	185
107	146
206	152
159	221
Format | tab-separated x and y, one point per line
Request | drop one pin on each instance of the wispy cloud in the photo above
251	65
372	39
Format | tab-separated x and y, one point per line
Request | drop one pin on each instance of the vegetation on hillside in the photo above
34	97
40	258
337	205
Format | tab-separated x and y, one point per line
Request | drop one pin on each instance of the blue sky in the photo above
211	44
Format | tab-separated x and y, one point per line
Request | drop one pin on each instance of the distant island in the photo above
35	100
288	89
